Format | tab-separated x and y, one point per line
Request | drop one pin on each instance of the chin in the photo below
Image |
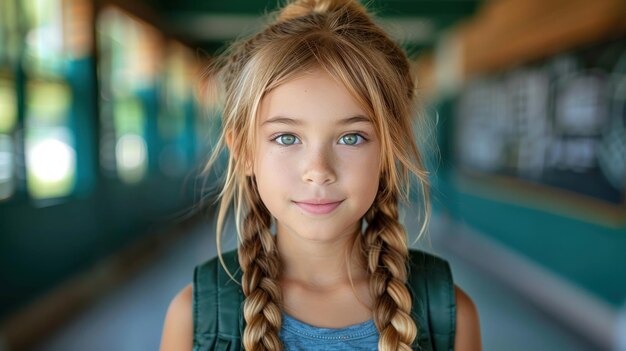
321	233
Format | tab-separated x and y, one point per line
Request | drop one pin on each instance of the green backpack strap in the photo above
217	303
218	316
434	307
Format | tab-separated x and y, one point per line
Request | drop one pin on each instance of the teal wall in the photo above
580	247
43	244
42	247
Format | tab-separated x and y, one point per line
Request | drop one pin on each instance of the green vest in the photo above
218	317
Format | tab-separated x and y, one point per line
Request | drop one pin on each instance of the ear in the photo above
231	148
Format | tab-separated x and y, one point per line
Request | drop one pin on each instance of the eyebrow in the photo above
297	122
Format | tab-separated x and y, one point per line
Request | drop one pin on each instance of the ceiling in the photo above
209	24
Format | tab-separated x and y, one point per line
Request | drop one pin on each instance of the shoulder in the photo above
178	326
467	323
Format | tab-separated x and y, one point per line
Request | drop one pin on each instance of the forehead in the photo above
312	97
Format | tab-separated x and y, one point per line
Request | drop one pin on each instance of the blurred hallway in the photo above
108	112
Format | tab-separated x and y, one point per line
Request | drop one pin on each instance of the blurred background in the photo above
103	135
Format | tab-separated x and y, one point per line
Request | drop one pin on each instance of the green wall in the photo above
582	249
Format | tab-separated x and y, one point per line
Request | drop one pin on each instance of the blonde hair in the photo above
339	37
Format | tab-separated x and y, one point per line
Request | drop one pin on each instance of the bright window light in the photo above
131	156
51	160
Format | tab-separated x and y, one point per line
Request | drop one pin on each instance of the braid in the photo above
260	265
387	249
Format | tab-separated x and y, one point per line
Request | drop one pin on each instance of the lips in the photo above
319	207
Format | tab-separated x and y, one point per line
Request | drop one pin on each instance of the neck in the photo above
322	263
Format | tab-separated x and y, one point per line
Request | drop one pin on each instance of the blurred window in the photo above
9	49
50	155
176	107
9	35
49	140
128	64
8	118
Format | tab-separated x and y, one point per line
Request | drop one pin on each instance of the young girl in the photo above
317	119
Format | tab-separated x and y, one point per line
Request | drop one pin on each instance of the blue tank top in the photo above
299	336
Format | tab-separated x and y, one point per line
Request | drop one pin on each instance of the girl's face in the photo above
317	158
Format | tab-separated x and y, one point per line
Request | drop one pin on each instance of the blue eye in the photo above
351	139
286	139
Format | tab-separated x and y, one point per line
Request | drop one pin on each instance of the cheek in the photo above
273	165
362	174
273	176
370	183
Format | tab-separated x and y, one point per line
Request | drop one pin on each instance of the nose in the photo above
319	168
